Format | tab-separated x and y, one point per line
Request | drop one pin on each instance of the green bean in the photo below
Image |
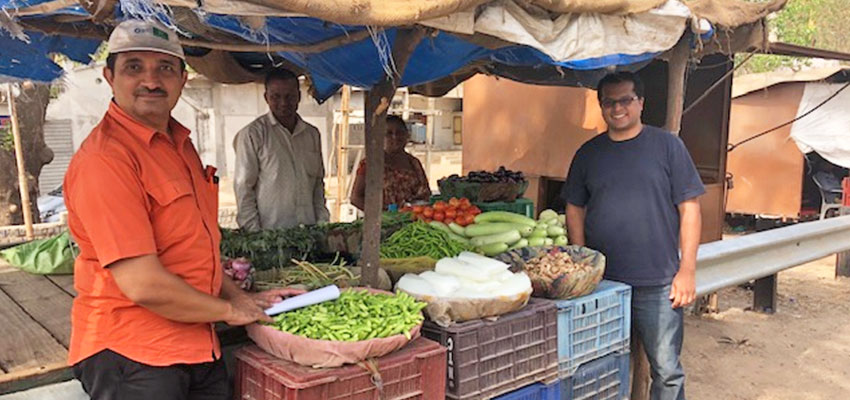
420	239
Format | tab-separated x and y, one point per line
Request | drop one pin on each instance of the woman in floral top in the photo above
404	177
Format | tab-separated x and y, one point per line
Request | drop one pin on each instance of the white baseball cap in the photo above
138	35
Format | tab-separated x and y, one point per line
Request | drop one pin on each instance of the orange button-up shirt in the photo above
133	191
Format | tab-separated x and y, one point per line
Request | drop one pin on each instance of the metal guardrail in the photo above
758	255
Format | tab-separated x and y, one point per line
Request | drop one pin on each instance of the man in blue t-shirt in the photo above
632	194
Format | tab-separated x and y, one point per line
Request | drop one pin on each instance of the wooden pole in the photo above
842	259
19	158
341	151
677	67
430	127
376	104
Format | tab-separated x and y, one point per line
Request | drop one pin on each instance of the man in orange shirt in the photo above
144	213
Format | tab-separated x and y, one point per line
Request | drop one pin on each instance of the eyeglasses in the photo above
624	102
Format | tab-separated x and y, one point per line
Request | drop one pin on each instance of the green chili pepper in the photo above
355	315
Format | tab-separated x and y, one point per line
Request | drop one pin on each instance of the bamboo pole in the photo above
19	158
341	151
430	127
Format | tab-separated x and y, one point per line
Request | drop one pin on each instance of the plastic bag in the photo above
578	279
51	256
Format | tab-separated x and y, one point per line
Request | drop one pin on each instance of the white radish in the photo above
414	284
460	269
444	285
488	265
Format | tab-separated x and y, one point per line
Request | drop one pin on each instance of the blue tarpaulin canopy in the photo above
520	44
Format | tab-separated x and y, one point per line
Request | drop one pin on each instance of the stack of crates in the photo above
593	348
487	359
593	344
416	372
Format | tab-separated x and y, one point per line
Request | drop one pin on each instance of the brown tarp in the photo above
733	13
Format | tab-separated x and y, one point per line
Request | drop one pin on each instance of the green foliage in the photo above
813	23
796	23
765	63
7	141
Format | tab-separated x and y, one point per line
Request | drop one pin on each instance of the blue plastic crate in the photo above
537	391
606	378
593	326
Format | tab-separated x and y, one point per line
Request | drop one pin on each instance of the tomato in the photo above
406	209
428	212
451	213
474	210
417	209
460	221
470	219
465	220
448	220
440	205
439	216
454	202
465	203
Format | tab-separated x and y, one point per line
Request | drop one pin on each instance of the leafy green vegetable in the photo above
277	248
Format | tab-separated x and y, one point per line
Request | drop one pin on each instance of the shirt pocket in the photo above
166	193
174	214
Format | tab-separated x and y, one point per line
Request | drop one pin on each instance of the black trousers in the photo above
108	375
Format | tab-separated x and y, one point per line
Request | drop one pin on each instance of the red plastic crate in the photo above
490	358
417	371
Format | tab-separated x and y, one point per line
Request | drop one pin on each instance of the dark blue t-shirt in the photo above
631	190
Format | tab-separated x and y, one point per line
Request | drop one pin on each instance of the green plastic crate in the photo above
521	206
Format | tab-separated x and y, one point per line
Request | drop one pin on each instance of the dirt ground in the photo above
800	352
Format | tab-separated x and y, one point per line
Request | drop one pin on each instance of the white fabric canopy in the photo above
587	35
574	36
827	129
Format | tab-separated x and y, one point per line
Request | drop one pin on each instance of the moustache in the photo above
145	91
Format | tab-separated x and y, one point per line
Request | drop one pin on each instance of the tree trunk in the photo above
31	106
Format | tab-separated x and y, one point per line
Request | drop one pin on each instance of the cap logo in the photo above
160	33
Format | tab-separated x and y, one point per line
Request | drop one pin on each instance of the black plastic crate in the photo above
490	358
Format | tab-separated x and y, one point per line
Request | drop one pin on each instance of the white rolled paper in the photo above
317	296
